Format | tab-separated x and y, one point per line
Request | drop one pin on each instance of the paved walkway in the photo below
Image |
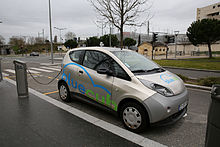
172	56
35	122
193	74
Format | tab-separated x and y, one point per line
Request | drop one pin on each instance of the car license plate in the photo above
183	105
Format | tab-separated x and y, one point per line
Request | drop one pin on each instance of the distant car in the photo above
34	54
139	90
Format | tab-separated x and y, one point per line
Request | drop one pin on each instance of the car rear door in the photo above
71	70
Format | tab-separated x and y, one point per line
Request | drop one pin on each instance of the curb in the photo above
194	69
198	87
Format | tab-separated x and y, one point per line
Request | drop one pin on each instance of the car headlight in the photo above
158	88
162	90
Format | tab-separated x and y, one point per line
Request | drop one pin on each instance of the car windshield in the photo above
135	62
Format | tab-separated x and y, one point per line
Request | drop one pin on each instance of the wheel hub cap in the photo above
63	92
132	117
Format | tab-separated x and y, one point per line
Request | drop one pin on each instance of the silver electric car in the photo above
139	90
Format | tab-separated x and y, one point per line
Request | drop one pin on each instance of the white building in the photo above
211	11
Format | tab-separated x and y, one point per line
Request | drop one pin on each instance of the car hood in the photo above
166	79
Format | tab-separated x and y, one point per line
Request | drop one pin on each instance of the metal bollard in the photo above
213	124
21	79
1	77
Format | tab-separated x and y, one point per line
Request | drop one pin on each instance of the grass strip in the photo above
199	63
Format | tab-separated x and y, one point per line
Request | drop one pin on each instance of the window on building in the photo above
213	7
160	50
156	50
215	14
163	49
218	5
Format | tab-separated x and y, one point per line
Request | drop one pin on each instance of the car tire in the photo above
134	117
64	92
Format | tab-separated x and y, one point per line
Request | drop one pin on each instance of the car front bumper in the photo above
162	108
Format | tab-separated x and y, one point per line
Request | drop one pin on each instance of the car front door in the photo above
97	86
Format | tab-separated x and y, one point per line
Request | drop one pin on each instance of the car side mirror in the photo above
105	71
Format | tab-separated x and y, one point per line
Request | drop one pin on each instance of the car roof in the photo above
110	49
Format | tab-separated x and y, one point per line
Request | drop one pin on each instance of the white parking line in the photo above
50	68
10	70
130	136
33	71
39	69
13	71
49	64
4	74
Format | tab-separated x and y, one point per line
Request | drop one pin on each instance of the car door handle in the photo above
81	71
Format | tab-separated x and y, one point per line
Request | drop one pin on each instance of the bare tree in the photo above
17	43
39	40
121	12
31	40
2	40
69	35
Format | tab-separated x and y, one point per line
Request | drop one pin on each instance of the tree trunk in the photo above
210	50
121	37
122	19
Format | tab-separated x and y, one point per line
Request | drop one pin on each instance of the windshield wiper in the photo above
138	71
156	69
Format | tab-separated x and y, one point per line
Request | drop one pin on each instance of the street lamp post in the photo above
176	33
51	39
60	29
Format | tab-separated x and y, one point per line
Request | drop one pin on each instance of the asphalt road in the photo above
189	131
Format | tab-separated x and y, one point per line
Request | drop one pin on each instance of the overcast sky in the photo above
28	17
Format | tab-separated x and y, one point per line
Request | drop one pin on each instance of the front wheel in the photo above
64	92
134	117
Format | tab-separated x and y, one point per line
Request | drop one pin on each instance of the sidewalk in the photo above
172	57
35	122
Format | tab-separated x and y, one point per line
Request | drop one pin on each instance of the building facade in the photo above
5	50
146	49
211	11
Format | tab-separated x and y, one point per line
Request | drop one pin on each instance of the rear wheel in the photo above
134	117
64	92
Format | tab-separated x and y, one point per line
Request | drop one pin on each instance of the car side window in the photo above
75	56
95	60
119	72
